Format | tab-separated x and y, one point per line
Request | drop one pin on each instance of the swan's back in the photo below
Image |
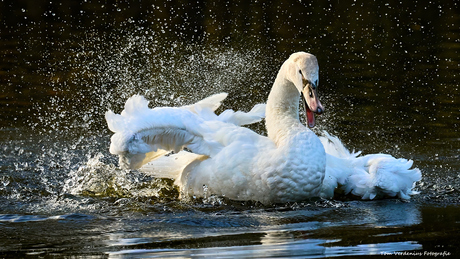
253	167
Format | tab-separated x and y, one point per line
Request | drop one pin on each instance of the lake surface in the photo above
389	80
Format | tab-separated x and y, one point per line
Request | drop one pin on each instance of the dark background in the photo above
388	79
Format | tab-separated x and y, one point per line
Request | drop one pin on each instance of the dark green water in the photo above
388	79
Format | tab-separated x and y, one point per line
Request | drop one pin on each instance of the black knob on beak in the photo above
319	111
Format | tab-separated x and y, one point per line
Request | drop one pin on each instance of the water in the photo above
388	80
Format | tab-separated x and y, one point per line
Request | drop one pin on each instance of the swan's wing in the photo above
206	107
333	146
256	114
170	166
143	134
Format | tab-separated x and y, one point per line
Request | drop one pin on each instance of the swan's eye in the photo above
300	71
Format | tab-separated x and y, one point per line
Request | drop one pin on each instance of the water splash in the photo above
106	69
67	157
99	179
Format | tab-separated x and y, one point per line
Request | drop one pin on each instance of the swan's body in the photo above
290	164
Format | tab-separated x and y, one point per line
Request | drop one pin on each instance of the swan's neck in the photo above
282	112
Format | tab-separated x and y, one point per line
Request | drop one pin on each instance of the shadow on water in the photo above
389	82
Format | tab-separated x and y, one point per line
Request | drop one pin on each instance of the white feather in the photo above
140	131
370	176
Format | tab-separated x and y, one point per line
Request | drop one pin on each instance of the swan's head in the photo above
304	73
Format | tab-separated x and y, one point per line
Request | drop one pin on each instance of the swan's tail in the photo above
370	176
143	134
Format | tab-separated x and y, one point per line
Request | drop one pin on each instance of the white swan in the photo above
291	164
